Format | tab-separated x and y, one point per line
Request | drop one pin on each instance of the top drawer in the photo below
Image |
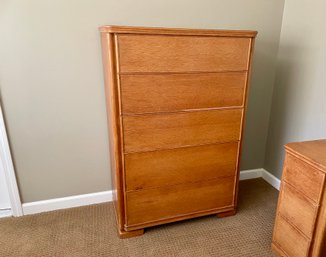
153	53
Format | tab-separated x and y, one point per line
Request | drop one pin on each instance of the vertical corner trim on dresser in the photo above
176	103
300	224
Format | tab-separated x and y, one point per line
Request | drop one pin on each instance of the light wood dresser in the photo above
300	226
176	101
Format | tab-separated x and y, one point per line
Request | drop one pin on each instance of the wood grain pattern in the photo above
151	132
167	202
182	165
298	210
305	178
292	242
173	92
153	53
178	31
302	202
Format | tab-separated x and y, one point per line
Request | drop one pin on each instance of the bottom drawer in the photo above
292	242
145	206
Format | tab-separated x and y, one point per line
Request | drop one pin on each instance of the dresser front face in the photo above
181	105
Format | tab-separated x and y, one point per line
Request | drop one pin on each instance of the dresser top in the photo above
312	151
178	31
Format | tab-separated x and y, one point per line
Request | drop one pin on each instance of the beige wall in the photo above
299	101
52	87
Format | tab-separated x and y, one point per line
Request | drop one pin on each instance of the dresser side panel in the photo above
112	105
243	118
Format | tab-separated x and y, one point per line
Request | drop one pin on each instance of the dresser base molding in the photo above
226	214
227	210
127	234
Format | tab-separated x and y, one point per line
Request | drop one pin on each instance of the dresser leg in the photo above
226	214
127	234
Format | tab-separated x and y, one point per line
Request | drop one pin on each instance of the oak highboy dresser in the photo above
176	101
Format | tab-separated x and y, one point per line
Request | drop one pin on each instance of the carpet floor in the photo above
90	231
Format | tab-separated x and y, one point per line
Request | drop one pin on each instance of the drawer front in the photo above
298	210
289	239
177	166
173	92
303	177
153	53
150	132
152	205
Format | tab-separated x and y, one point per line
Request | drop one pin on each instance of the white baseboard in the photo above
271	179
67	202
106	196
5	213
261	173
251	174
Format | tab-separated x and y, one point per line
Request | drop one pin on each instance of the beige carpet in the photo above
90	231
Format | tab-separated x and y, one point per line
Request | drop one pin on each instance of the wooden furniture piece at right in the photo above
300	225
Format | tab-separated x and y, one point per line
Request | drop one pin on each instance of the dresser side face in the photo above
112	105
137	132
243	119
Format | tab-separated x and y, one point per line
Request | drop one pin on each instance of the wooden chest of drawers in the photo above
176	101
300	226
